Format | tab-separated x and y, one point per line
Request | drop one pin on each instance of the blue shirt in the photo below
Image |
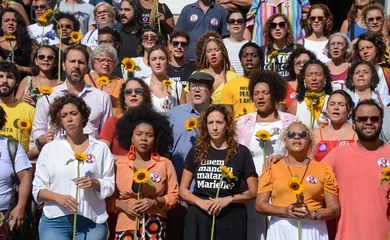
183	140
194	21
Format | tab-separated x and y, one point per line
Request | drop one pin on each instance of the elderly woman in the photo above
318	25
267	89
339	50
146	183
314	88
79	179
297	192
216	148
44	73
103	61
64	24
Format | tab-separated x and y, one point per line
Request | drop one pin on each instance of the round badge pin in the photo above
155	177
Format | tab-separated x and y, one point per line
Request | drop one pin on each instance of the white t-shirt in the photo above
91	39
233	51
382	88
43	34
144	73
165	104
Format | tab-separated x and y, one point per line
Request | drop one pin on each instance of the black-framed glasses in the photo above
36	7
364	119
236	21
43	57
319	18
201	86
280	24
177	43
129	91
301	134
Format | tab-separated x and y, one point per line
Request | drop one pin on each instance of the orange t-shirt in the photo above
318	179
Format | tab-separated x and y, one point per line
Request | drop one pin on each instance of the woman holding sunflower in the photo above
146	183
73	176
218	165
303	192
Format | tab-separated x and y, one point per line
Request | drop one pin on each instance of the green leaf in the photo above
137	68
70	160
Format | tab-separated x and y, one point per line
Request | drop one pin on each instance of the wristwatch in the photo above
317	215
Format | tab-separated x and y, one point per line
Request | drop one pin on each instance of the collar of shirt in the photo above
64	88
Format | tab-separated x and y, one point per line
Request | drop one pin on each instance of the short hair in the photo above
125	126
109	30
370	7
76	47
145	93
294	55
376	40
374	75
179	33
348	99
204	63
307	129
109	8
328	17
276	83
67	15
58	104
259	50
370	102
3	117
104	49
347	42
301	89
10	67
268	41
236	11
34	67
160	38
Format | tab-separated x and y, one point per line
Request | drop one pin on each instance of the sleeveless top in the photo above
355	31
317	48
323	147
303	113
338	80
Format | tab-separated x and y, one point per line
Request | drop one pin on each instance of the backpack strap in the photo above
12	150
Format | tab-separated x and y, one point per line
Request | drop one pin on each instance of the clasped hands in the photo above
213	206
299	212
138	207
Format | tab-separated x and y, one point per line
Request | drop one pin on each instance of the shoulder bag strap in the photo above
12	150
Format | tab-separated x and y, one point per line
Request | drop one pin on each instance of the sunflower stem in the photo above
216	196
137	219
77	197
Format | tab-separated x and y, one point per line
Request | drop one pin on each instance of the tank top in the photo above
355	31
323	147
338	80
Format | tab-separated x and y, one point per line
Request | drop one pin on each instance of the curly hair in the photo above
200	42
204	63
376	40
203	140
160	39
10	67
104	49
301	89
374	75
125	126
347	42
348	99
58	104
3	117
268	41
136	24
34	67
145	93
178	33
294	55
67	15
328	17
23	41
259	50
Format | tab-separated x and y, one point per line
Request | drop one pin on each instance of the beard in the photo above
75	78
368	137
8	91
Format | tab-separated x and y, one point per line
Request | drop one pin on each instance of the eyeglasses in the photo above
319	18
102	13
177	43
43	57
36	7
149	37
201	86
275	25
299	63
372	19
104	60
236	21
67	26
292	134
338	44
137	91
364	119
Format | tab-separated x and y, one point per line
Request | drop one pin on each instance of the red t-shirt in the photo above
108	133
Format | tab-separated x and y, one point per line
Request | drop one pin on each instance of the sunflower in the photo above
80	156
141	176
75	37
23	124
263	135
44	19
167	83
226	171
129	64
45	90
103	81
191	124
9	37
273	54
295	186
385	175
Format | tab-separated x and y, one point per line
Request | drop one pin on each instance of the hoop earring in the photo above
155	155
131	153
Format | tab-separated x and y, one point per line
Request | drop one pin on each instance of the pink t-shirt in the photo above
363	200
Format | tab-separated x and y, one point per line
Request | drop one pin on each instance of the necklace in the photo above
304	173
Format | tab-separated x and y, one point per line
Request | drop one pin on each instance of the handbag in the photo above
29	228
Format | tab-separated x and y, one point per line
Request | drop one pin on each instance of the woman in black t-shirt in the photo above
216	146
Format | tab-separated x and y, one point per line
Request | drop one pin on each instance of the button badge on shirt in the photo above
312	179
90	158
322	147
383	162
155	177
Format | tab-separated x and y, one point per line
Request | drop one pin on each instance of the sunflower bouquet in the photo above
130	65
314	101
226	175
385	175
46	91
263	137
80	158
103	81
296	187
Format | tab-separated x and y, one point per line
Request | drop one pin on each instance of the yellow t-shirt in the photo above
318	179
16	111
236	93
217	93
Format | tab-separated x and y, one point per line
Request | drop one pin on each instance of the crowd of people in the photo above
241	119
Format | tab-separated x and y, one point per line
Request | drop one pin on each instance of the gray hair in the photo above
106	49
109	8
347	42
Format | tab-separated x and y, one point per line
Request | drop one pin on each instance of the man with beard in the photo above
179	69
19	114
363	200
235	94
75	67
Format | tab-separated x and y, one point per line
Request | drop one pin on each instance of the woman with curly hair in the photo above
278	44
77	180
19	49
44	73
267	89
146	183
65	24
314	88
215	201
318	25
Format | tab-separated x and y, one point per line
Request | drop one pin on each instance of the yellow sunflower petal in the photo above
129	64
24	124
80	156
141	176
45	90
191	124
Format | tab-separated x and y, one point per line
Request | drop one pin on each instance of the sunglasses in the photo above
67	26
372	19
275	25
177	43
129	91
364	119
43	57
302	134
149	37
36	7
319	18
236	21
